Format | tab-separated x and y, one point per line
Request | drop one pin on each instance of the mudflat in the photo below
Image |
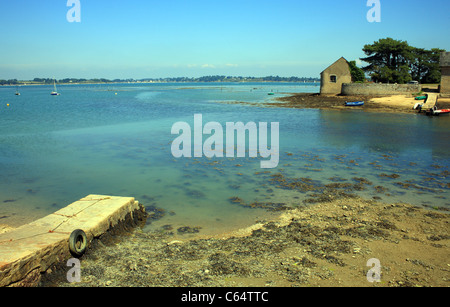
327	244
385	104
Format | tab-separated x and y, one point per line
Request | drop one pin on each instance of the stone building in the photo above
445	74
334	76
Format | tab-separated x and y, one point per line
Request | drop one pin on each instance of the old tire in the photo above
77	243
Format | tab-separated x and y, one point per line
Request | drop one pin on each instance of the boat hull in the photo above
354	104
443	111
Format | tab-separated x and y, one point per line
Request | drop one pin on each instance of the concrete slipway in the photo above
30	250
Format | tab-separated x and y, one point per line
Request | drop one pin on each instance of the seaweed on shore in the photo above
299	184
154	213
269	206
314	247
188	229
321	192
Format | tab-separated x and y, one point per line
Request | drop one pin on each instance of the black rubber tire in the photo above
77	243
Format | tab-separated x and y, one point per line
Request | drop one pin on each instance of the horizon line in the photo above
206	78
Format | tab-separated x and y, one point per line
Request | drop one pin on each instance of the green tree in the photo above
357	73
388	60
425	65
394	61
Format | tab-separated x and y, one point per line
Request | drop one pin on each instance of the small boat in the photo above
55	92
354	104
17	91
421	97
442	111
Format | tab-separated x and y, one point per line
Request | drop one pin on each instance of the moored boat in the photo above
354	104
442	111
55	92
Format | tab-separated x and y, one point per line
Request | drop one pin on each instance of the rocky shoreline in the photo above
385	104
388	104
327	244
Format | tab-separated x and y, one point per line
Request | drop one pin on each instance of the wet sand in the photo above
327	244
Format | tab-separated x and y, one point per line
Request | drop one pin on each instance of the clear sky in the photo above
192	38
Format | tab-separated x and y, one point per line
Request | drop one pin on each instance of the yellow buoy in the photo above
7	104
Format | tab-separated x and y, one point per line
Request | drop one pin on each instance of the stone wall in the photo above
379	89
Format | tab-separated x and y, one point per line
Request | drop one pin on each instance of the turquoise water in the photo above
116	140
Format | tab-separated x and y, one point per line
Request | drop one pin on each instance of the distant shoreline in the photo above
204	79
154	82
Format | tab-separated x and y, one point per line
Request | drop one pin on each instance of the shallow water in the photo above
116	140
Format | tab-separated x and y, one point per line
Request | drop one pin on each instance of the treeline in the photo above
76	80
395	61
221	78
216	78
10	82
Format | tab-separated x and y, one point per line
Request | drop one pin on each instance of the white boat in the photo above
55	92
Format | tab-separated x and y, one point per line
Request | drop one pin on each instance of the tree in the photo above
425	65
394	61
357	73
388	60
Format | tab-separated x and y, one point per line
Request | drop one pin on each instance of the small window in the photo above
333	79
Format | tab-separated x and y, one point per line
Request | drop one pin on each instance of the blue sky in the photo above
172	38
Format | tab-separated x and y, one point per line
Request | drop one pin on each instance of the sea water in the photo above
116	139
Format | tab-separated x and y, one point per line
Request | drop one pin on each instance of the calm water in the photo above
115	140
